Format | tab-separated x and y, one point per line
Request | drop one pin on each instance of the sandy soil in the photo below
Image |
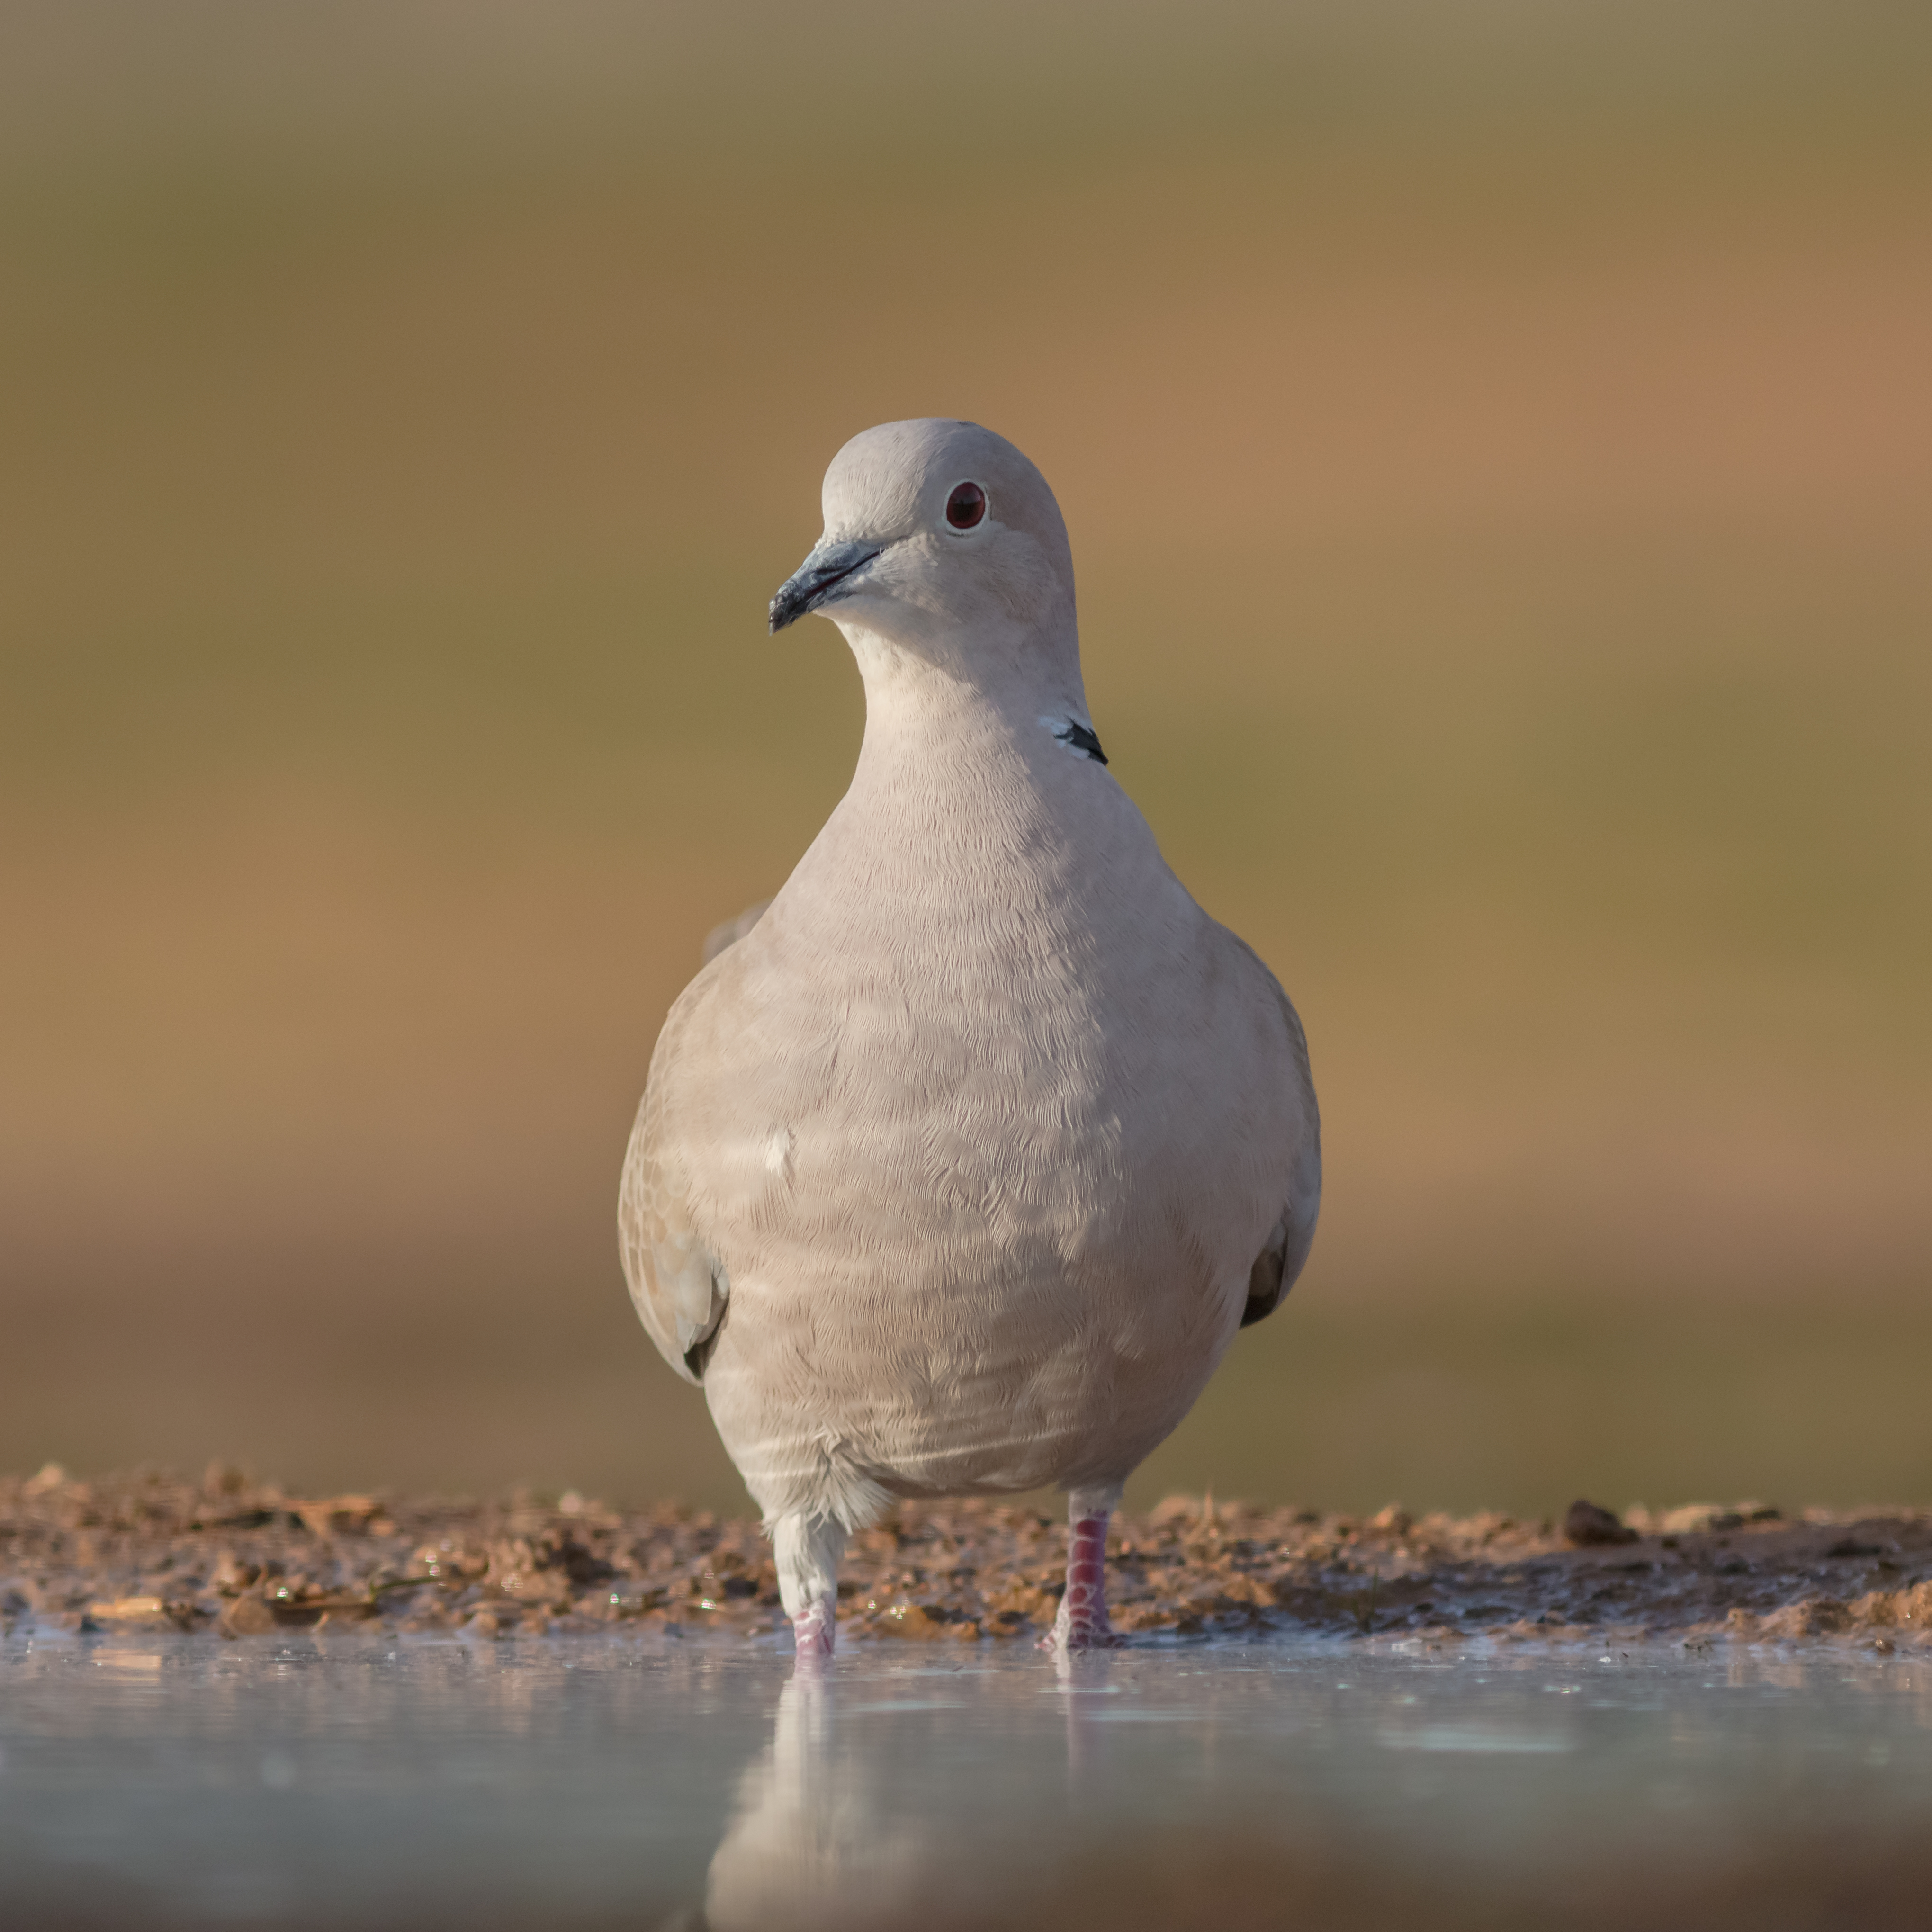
248	1559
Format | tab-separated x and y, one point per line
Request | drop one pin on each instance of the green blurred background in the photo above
1497	440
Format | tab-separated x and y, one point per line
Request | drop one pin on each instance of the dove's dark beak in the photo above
817	580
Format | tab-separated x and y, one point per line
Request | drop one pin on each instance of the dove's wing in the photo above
680	1286
1281	1259
733	930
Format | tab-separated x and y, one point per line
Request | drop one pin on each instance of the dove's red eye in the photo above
965	506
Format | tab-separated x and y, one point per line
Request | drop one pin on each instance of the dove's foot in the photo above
815	1628
1082	1622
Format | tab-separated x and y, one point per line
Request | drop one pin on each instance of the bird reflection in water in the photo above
858	1815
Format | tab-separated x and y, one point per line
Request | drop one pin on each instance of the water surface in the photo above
332	1780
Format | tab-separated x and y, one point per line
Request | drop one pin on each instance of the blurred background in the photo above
1497	440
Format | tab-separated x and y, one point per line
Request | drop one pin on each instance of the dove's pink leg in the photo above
816	1628
1082	1622
806	1550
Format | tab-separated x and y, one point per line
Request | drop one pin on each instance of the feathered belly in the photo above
965	1365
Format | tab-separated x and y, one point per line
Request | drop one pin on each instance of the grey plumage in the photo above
960	1163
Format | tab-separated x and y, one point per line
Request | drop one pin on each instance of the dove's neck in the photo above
969	814
929	723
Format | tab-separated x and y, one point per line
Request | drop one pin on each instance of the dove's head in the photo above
940	539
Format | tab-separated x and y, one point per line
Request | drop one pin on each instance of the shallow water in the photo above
333	1780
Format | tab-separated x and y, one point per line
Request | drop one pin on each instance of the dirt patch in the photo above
248	1559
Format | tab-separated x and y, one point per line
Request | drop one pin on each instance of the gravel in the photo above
248	1559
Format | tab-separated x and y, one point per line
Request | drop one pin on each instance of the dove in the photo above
961	1162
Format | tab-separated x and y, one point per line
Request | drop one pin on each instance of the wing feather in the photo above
678	1289
1281	1260
680	1286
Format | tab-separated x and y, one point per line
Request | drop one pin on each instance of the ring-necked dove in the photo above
958	1168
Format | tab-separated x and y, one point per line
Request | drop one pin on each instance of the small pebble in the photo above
1585	1523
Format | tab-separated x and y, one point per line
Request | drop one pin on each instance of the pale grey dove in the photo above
959	1168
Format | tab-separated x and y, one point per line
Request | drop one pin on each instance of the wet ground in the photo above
151	1551
357	1778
